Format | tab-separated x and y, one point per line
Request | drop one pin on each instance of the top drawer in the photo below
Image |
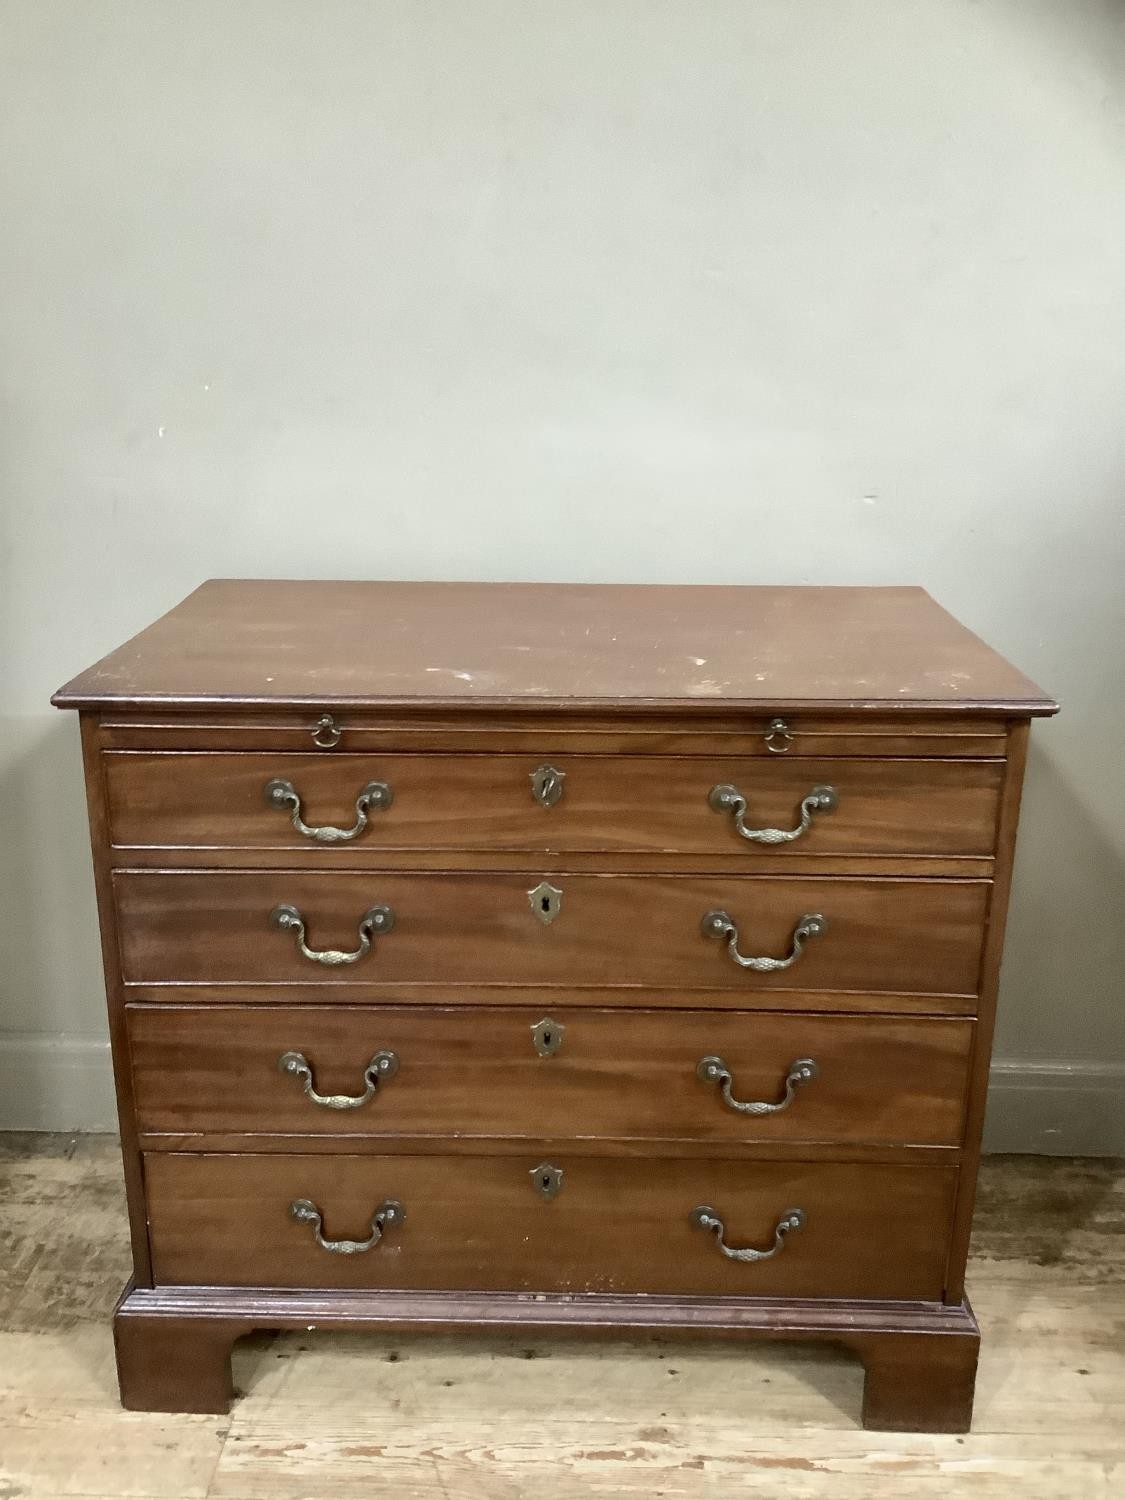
755	810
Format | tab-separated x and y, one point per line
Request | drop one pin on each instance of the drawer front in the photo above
655	804
612	1226
917	936
621	730
572	1074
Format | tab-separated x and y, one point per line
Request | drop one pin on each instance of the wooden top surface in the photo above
281	643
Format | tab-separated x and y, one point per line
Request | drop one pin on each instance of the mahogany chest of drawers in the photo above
572	957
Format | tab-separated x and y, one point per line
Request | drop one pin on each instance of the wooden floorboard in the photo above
504	1418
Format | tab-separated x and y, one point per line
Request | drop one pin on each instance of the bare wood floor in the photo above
501	1419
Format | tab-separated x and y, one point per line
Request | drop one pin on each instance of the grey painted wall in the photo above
730	290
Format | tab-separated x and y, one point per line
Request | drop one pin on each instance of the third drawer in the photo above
532	1074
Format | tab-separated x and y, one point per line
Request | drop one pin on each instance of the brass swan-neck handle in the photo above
720	924
727	798
715	1070
705	1217
386	1216
283	794
383	1065
377	919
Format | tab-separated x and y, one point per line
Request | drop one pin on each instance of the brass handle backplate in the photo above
719	924
375	920
791	1220
386	1216
727	798
383	1065
715	1070
283	794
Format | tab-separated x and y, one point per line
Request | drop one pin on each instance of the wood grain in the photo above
609	804
283	642
990	986
478	1223
613	930
208	1071
778	1001
623	728
92	769
920	1358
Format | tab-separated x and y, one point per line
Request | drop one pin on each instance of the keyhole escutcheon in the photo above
547	784
546	901
546	1179
547	1036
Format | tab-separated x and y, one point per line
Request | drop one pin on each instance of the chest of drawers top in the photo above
696	650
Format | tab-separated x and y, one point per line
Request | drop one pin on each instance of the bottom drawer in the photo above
483	1223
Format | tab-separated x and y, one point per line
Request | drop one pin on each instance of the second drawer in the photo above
531	1074
383	930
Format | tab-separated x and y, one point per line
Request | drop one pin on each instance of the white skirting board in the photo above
1044	1108
1056	1108
55	1083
